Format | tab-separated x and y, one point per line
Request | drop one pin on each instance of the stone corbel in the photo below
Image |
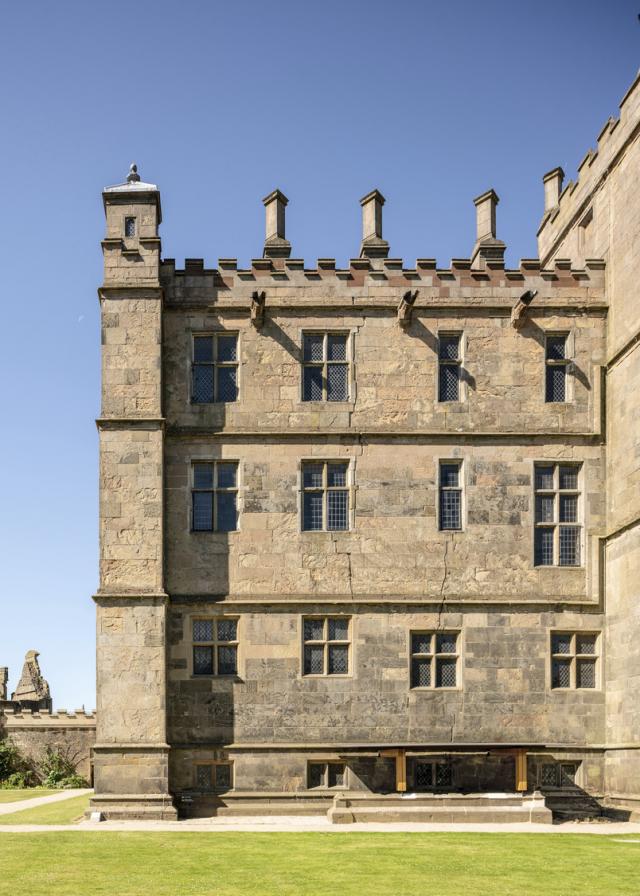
518	314
258	302
405	309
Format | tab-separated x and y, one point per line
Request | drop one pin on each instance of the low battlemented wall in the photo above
72	733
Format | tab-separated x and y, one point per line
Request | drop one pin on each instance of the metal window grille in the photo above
325	497
214	776
214	369
557	774
557	529
556	368
432	775
325	774
215	646
326	645
574	660
434	659
129	227
449	367
214	497
325	367
204	777
450	496
548	775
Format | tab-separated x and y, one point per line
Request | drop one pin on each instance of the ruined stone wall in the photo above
71	733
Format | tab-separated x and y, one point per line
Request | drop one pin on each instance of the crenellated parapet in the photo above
568	206
59	718
379	282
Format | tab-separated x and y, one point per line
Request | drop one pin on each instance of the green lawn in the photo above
64	812
308	864
25	793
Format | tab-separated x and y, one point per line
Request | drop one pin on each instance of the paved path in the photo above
283	824
7	808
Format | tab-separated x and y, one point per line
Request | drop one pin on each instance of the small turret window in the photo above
129	226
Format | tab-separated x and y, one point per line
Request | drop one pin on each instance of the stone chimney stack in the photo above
4	678
276	245
552	181
487	248
373	246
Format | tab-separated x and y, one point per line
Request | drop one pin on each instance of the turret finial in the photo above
133	177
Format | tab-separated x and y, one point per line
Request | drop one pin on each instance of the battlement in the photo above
44	718
374	281
566	205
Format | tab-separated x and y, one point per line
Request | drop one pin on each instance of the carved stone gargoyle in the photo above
518	313
405	309
258	302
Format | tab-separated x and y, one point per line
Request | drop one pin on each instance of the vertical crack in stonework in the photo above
442	584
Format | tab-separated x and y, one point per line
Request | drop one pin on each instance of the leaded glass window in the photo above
434	659
129	226
214	370
325	496
574	660
557	774
214	496
325	366
325	775
449	366
214	777
327	644
557	529
215	646
432	774
450	495
556	368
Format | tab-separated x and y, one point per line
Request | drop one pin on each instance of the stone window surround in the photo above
193	617
208	459
125	224
351	488
212	330
597	656
462	383
570	351
325	786
325	676
559	765
582	506
213	763
350	332
458	632
459	461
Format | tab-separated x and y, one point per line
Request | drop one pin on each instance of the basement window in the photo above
214	777
325	775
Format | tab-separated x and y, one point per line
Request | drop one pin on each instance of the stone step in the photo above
454	800
441	814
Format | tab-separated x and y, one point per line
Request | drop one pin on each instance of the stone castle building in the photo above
27	719
375	529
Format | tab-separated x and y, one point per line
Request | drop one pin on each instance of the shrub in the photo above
58	769
18	780
11	760
74	781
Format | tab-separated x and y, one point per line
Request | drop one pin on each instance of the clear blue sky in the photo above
219	103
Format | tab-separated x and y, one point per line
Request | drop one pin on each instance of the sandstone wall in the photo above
503	694
599	216
72	734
